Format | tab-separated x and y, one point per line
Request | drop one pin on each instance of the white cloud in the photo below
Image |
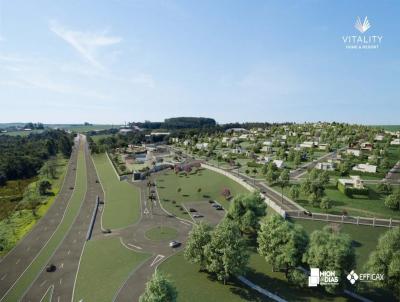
87	44
144	80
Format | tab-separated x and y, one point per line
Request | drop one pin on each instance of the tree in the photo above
271	176
330	251
226	253
384	188
393	200
386	260
44	186
246	210
294	192
281	243
159	289
199	236
226	193
325	203
297	159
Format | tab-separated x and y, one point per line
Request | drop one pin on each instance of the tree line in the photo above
22	157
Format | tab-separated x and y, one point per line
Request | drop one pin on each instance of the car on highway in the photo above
216	205
197	216
51	268
192	210
106	231
307	213
219	208
174	244
211	201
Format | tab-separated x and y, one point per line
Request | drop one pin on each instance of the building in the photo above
354	182
396	142
202	146
266	149
365	168
354	152
326	166
279	163
323	147
307	145
379	137
367	146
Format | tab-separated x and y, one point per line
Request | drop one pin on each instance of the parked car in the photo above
106	231
308	213
197	216
51	268
192	210
174	244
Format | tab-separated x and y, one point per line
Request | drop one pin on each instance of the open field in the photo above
210	183
105	265
122	201
42	258
388	127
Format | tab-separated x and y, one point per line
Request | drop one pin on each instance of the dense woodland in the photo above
22	157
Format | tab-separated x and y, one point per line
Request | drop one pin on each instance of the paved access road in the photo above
17	260
134	238
68	254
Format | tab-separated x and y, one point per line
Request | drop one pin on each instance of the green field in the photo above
22	133
196	286
105	265
41	260
161	233
211	184
122	200
388	127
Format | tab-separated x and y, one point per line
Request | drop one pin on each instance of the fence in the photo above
371	221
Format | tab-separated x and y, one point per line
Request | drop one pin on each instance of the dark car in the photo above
71	188
192	210
197	216
219	208
106	231
97	181
215	205
211	201
307	213
51	268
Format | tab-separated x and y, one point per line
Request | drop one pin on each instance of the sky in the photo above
232	60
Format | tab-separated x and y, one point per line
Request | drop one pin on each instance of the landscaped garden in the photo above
122	200
161	233
198	185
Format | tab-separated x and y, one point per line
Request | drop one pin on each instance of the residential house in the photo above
354	152
367	146
354	182
307	145
326	166
396	142
202	146
279	163
365	168
379	137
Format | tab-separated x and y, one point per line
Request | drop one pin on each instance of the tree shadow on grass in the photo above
287	290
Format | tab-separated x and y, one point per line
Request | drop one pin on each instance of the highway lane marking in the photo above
4	276
58	299
135	246
74	241
43	283
60	281
184	222
45	228
18	261
28	248
69	252
62	265
158	258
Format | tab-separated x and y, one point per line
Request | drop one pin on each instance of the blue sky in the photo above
124	60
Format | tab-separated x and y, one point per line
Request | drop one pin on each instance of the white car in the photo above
174	243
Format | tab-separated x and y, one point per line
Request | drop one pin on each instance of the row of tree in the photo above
22	157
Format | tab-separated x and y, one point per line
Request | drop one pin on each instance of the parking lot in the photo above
210	214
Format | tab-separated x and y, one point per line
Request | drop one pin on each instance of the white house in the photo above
202	146
237	150
279	163
322	146
266	149
379	137
186	142
396	141
244	136
365	168
354	152
307	145
267	143
354	182
326	166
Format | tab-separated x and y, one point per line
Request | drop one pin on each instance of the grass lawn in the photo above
210	182
122	201
365	239
105	265
161	233
196	286
366	206
41	260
